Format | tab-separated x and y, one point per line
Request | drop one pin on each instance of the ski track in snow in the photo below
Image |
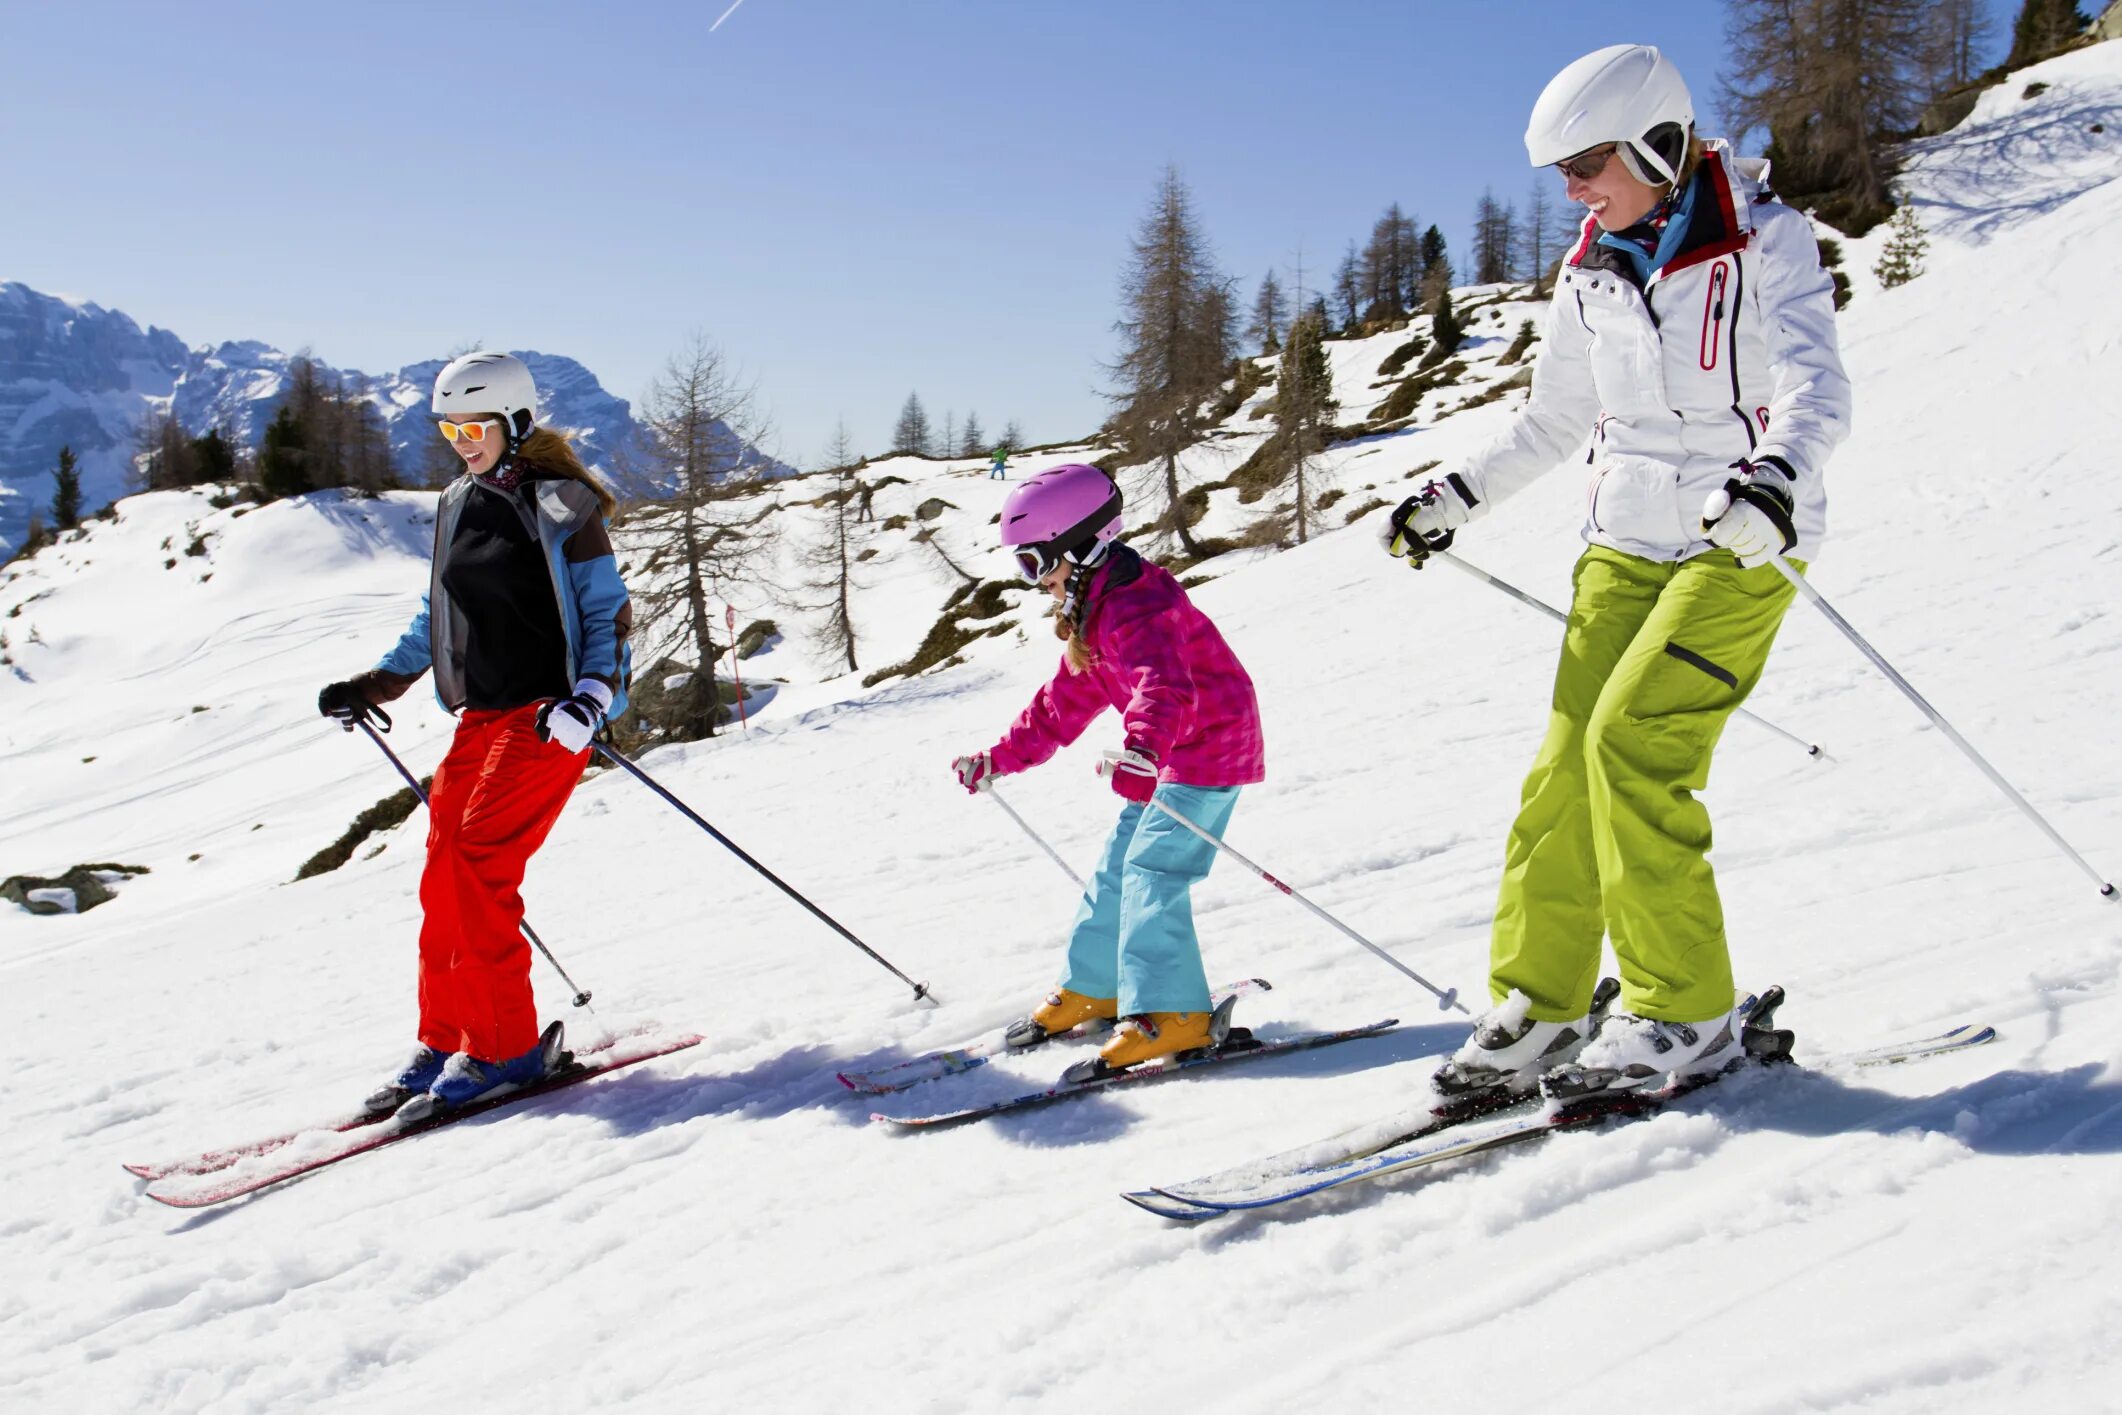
725	1229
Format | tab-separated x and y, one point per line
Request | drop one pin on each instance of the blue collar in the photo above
1669	220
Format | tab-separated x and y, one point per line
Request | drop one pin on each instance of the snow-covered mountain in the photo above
76	374
725	1229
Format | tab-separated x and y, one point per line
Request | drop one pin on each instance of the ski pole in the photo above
2107	889
581	994
1037	839
1812	749
921	991
1447	998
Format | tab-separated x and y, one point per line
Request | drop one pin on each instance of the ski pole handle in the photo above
1447	998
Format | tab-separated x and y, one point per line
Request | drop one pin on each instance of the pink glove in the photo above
1134	776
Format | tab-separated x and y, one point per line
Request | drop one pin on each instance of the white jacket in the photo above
1728	352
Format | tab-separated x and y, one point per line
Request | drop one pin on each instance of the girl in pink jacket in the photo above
1191	728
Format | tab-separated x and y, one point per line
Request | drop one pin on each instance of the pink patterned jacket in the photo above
1181	693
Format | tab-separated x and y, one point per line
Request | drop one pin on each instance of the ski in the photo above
290	1157
938	1064
1189	1204
1369	1151
1398	1128
210	1160
1241	1045
1957	1039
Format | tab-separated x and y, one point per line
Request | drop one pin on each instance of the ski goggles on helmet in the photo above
473	432
1588	164
1036	562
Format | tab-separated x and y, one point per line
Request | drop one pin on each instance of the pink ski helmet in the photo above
1063	513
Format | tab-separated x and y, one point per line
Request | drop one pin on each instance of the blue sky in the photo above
853	198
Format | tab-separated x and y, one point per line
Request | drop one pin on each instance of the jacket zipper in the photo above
1712	315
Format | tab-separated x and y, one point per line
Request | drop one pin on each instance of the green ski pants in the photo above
1610	840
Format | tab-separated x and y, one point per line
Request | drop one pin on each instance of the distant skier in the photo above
1191	727
1000	466
525	622
1692	334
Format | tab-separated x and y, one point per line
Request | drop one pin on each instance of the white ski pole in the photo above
1037	839
1812	749
1447	998
2107	889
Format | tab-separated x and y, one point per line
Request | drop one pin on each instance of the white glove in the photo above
975	772
570	722
1425	521
1750	515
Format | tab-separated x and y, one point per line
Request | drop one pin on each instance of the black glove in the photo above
344	702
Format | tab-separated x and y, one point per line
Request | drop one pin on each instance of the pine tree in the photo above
1445	332
1270	315
2044	27
66	492
1175	345
1012	436
214	458
1491	241
1432	250
912	433
701	423
1436	285
830	559
1834	83
164	459
1348	287
972	442
1901	259
1539	242
1391	266
283	458
1303	410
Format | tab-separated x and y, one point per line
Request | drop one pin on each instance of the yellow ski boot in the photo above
1155	1034
1061	1011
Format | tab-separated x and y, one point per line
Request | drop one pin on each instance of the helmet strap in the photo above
1072	593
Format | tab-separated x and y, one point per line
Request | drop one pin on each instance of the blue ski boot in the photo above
414	1077
465	1079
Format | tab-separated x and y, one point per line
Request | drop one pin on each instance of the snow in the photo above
63	899
724	1229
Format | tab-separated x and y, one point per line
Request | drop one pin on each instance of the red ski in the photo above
217	1176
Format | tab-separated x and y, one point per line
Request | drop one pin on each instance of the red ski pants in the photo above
493	800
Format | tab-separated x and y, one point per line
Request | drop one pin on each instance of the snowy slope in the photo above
724	1230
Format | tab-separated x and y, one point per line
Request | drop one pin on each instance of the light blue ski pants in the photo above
1134	932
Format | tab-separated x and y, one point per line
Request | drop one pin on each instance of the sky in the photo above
852	199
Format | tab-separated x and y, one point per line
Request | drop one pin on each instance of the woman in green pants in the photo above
1692	337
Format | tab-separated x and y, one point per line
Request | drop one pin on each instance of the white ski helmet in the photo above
488	382
1628	94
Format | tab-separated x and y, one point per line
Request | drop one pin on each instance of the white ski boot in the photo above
1631	1053
1511	1052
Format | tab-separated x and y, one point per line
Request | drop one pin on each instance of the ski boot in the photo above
464	1078
1639	1053
1061	1011
1149	1036
1509	1052
414	1077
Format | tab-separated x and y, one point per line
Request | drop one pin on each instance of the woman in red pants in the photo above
525	623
